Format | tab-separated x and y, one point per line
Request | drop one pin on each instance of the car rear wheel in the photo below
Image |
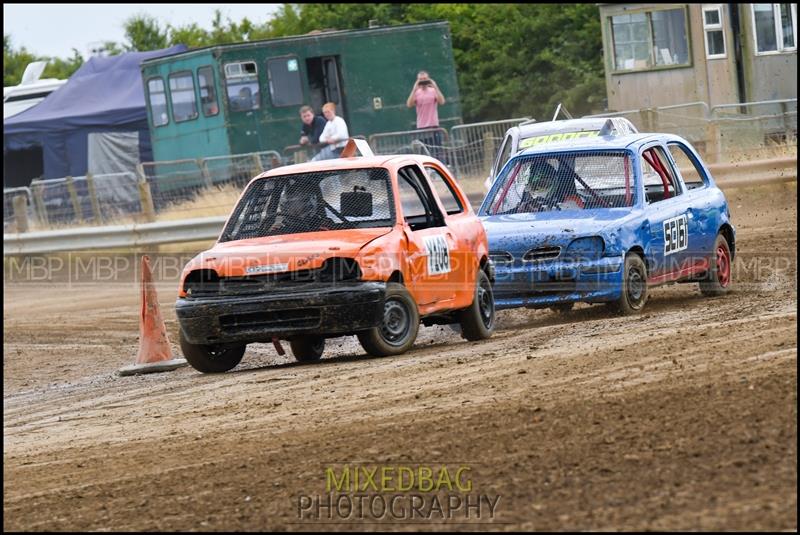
477	321
211	359
719	276
634	286
307	348
399	326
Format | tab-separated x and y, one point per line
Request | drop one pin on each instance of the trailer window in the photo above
208	91
285	87
158	101
241	79
184	102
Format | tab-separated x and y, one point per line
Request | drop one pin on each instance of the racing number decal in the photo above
438	255
675	236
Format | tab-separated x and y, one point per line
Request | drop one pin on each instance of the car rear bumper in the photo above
339	309
545	284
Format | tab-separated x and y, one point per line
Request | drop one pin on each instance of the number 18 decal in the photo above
676	235
438	255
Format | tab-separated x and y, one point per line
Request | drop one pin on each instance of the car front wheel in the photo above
399	325
634	286
211	359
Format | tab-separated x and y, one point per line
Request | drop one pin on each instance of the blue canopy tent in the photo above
104	96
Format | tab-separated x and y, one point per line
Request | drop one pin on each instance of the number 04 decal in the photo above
438	255
676	237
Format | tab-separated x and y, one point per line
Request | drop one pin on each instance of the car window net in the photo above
312	202
566	181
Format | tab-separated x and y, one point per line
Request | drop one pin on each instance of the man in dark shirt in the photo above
313	125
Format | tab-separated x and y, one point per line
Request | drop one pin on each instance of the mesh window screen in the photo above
312	202
569	181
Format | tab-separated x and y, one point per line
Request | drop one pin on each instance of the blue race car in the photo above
601	219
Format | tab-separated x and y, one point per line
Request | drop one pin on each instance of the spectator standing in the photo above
312	128
426	97
334	136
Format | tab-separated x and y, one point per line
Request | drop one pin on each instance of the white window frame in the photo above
714	28
776	16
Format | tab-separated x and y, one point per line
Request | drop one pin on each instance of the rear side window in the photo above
241	79
157	97
444	191
208	91
688	167
660	182
181	90
285	87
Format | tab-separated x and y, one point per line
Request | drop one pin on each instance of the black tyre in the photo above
308	348
477	321
634	286
398	329
562	308
211	359
719	276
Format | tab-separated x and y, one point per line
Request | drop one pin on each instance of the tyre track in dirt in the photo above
681	418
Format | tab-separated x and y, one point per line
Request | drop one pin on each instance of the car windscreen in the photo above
313	202
563	181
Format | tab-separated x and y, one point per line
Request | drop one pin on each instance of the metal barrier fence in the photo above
732	129
210	186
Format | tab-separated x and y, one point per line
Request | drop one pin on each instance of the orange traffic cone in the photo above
155	354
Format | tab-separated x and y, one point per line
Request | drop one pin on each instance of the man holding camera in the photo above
427	98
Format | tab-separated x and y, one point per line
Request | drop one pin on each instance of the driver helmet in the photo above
542	179
299	201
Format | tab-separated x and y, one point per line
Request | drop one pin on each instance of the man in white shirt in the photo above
334	135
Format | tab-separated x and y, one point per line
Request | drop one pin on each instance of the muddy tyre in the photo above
562	308
307	348
477	321
634	287
211	359
399	325
718	278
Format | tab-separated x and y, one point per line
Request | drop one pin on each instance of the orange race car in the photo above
368	246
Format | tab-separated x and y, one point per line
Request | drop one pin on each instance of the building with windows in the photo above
664	54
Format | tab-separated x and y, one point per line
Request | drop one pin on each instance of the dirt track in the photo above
683	418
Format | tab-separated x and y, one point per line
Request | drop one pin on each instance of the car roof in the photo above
621	124
632	141
357	162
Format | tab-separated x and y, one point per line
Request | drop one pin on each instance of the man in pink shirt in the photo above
425	95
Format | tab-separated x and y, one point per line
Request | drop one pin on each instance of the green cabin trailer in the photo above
245	97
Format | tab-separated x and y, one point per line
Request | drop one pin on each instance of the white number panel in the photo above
676	235
438	255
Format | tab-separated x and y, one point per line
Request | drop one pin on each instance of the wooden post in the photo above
98	216
257	163
73	195
300	156
21	212
148	210
38	202
488	148
649	121
713	142
204	172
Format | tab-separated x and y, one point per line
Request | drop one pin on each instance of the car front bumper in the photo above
542	284
343	308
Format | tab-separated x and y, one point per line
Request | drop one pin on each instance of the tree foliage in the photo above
511	59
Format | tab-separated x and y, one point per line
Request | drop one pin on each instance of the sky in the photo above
55	29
